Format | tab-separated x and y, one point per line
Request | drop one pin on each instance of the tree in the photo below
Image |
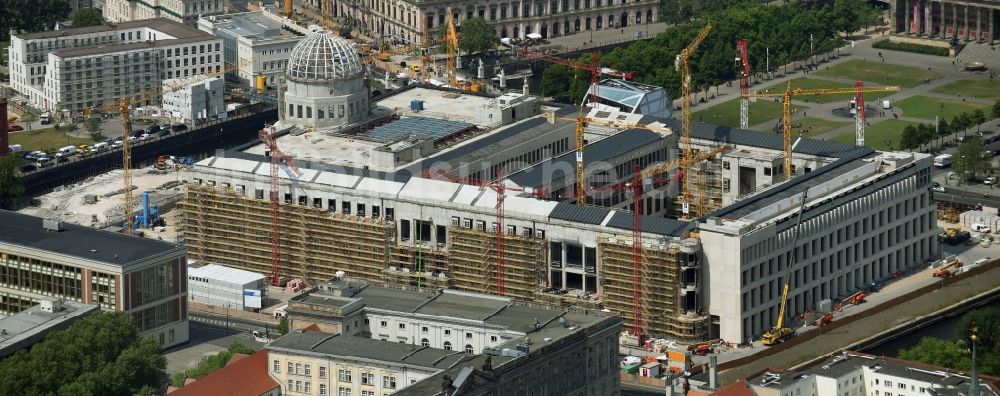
943	130
970	159
102	354
925	134
957	124
477	36
283	325
978	118
27	118
209	364
996	109
910	139
93	125
967	120
31	15
987	324
938	352
87	17
11	183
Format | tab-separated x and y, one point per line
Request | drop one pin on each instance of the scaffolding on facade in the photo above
661	312
225	227
473	263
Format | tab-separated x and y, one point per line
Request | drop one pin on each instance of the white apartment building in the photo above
859	374
184	11
259	42
222	286
202	99
550	18
91	67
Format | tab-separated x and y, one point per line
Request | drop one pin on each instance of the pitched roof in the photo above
244	377
738	388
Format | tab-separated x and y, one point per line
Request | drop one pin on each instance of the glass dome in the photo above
323	56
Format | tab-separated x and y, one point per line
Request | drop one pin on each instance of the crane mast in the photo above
859	115
124	112
744	85
683	62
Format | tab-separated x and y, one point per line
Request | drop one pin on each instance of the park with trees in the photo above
777	35
955	353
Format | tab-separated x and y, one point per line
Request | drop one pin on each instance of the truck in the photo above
942	161
45	118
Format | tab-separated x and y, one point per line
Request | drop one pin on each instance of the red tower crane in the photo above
744	85
596	71
270	139
497	184
636	185
859	118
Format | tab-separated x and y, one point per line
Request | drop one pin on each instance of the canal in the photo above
943	328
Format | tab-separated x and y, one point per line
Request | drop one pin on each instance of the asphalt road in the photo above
632	390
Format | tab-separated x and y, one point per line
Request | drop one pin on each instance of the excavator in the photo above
781	333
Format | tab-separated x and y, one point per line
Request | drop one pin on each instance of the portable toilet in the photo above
651	369
261	82
416	105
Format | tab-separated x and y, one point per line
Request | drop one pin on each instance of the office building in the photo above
144	278
182	11
23	329
855	373
375	340
258	42
91	67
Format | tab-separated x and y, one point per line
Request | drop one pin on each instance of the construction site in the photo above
689	231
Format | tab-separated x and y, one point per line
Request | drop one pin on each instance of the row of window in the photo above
539	8
296	111
343	375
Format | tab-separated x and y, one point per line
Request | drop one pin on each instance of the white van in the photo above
66	151
15	148
99	147
983	228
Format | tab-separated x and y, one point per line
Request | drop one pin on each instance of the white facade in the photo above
199	100
259	42
184	11
222	286
91	67
408	19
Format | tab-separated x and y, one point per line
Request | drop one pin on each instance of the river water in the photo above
944	329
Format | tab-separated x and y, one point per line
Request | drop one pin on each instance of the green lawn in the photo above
817	126
807	83
927	107
984	89
877	135
47	139
728	113
880	73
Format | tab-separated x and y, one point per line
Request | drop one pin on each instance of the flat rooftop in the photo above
33	324
438	104
165	26
255	25
78	242
338	345
331	150
225	274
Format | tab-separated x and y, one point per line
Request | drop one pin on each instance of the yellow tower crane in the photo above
786	118
451	42
683	64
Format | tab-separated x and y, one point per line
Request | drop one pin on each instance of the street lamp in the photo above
974	383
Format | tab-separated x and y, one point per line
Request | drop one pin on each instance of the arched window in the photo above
424	342
447	345
468	349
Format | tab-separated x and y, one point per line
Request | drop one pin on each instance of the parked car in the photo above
133	139
145	136
179	127
153	129
14	128
66	151
28	168
117	144
138	132
43	162
164	132
938	188
990	180
34	155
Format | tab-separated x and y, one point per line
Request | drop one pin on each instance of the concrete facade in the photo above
197	101
183	11
408	19
146	279
971	20
258	42
93	66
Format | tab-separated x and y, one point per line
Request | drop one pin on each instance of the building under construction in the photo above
426	214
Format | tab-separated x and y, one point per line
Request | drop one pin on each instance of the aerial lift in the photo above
945	272
781	333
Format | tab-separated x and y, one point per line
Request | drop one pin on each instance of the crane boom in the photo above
125	113
787	110
683	60
780	332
